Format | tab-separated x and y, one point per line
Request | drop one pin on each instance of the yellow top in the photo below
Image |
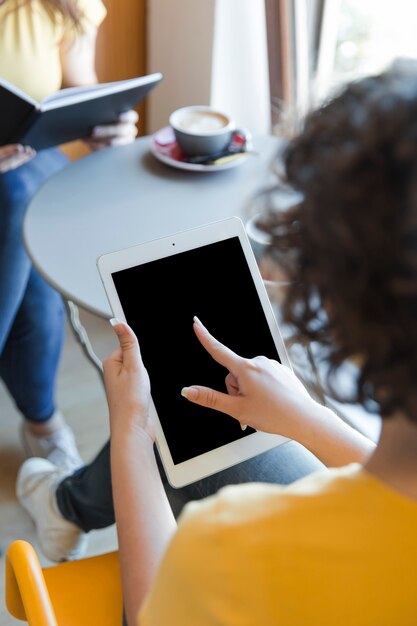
30	40
338	547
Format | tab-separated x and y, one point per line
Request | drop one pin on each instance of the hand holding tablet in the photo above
157	288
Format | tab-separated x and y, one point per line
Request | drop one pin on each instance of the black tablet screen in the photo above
160	299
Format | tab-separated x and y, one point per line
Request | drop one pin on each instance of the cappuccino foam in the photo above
202	122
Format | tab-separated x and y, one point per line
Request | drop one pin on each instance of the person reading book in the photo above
44	45
338	546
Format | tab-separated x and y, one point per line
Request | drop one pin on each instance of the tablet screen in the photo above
159	300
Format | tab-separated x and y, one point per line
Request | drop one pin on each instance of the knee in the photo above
46	312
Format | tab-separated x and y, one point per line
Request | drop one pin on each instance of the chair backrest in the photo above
74	593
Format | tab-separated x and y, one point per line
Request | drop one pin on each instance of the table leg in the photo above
81	336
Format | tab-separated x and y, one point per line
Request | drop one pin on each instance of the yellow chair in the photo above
75	593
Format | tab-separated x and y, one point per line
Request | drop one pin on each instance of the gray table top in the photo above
123	196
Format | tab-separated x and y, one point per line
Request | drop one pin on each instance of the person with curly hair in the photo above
44	45
338	546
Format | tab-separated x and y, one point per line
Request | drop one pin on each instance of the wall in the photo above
121	43
210	52
180	45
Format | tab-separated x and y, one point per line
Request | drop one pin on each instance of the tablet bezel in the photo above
234	452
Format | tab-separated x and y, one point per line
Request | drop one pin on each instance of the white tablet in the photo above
157	288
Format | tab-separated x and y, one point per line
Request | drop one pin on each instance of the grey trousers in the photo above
85	497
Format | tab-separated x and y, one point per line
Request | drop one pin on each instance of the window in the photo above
367	36
346	39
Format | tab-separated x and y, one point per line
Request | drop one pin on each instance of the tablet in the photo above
158	287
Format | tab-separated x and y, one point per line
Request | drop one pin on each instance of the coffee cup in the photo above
201	130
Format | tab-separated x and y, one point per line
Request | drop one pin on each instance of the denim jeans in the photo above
31	312
85	497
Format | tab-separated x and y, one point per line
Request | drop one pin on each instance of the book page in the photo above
85	89
74	95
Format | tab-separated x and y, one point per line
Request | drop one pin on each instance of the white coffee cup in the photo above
201	130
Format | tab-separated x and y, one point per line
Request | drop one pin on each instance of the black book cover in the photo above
14	112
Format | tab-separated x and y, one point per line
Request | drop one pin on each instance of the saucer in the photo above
165	148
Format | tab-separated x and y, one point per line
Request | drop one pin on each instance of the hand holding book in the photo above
114	134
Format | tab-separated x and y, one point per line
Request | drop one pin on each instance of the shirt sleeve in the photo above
198	581
92	14
185	577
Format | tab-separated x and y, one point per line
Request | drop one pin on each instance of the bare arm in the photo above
78	60
331	440
145	522
268	396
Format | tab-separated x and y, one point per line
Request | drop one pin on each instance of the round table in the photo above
123	196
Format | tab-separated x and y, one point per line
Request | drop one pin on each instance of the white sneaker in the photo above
37	481
59	447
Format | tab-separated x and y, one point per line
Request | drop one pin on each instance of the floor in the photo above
80	395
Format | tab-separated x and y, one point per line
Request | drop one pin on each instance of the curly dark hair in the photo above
351	242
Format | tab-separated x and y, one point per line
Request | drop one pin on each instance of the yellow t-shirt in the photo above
30	40
336	548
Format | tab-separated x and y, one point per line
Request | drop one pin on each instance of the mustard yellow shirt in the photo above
338	548
30	40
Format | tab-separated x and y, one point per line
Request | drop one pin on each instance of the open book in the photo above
68	114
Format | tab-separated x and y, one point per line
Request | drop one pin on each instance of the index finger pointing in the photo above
220	353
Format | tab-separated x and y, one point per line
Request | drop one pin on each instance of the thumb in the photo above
131	116
129	346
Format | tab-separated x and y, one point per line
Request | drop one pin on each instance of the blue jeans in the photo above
85	497
31	312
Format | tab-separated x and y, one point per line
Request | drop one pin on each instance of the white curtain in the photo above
240	77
